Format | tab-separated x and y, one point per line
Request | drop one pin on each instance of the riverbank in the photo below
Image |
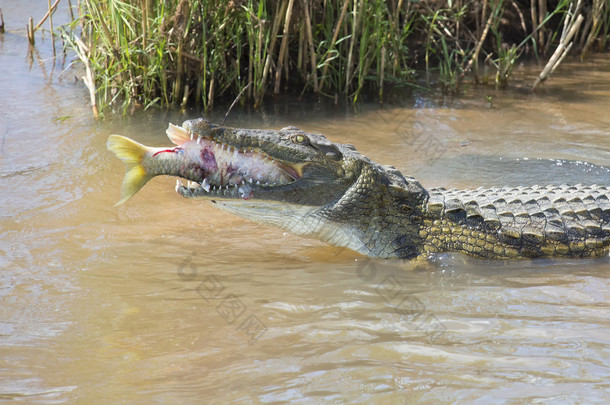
140	54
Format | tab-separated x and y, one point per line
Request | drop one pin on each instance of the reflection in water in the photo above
169	300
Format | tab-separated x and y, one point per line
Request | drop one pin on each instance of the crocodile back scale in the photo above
508	222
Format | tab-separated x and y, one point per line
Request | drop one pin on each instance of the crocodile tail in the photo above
131	153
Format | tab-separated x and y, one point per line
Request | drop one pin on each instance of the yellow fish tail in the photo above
131	153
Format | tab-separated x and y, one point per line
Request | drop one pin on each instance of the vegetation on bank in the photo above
142	53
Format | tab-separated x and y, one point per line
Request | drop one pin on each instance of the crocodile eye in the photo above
406	208
300	139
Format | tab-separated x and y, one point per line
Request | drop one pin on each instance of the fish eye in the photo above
300	139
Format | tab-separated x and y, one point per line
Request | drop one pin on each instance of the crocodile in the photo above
310	186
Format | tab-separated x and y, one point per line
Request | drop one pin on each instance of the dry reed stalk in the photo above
83	54
49	11
274	31
179	72
534	17
211	94
70	8
398	8
30	31
185	97
348	72
144	9
397	31
199	82
251	62
109	36
586	28
541	15
241	93
51	25
334	39
483	14
596	12
283	45
300	46
302	59
254	89
570	28
475	56
286	67
382	71
521	17
457	23
312	53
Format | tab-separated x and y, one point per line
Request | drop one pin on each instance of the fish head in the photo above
288	166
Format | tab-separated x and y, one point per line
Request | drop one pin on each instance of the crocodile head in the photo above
301	182
250	167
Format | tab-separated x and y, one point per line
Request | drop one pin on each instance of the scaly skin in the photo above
340	196
519	222
348	200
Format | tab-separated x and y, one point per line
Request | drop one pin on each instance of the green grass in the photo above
144	53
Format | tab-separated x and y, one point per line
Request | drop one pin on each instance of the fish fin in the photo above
131	153
178	135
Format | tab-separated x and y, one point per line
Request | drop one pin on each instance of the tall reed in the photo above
144	53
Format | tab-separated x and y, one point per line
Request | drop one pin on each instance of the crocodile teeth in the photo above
258	182
191	136
245	192
250	180
198	139
206	185
177	184
235	153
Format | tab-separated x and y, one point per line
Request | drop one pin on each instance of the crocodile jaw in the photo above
301	220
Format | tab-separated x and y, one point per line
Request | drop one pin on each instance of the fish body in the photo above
196	158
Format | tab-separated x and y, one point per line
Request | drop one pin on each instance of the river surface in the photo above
166	300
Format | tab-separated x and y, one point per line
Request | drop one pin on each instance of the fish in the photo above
203	157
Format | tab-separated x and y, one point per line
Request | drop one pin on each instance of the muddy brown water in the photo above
165	300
